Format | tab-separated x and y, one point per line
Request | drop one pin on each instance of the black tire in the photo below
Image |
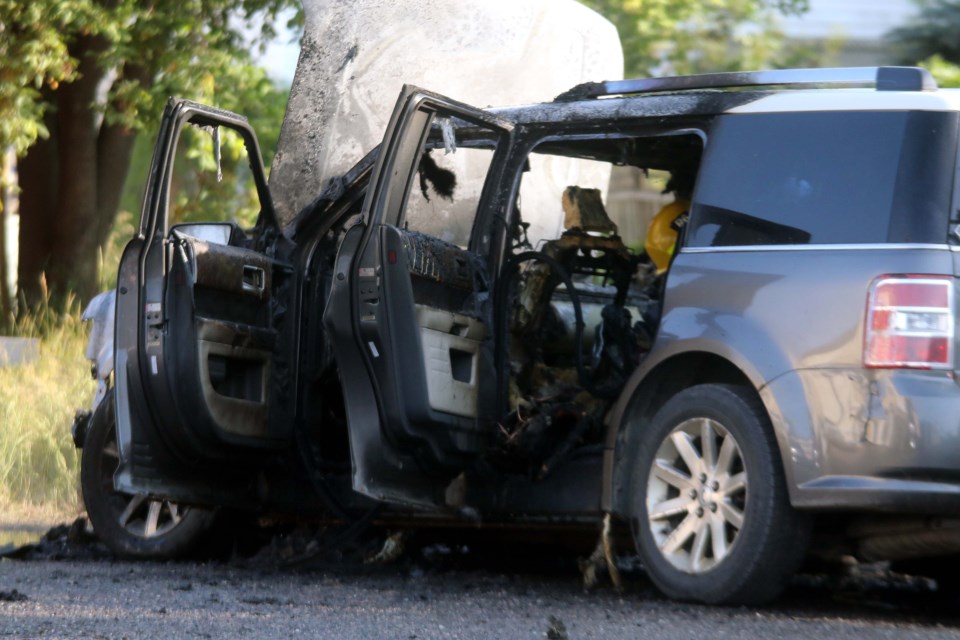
691	548
153	529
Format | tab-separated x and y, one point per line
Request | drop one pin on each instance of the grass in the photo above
39	466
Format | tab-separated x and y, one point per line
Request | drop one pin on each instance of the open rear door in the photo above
415	350
196	324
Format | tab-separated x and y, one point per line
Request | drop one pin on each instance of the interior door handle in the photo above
253	279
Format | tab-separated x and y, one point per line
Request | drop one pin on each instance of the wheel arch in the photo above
646	395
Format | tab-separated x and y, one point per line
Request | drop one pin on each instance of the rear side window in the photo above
825	178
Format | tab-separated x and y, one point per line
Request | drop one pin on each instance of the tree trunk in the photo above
71	186
38	176
73	257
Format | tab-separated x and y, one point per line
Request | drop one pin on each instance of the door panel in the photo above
451	350
218	296
420	304
195	335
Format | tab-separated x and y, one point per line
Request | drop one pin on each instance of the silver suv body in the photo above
428	335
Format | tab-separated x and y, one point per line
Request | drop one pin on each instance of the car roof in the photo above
777	91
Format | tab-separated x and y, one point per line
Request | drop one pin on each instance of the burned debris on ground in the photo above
282	547
13	596
75	541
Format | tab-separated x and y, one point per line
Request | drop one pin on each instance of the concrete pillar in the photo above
357	54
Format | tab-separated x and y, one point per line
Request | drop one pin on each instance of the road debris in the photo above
603	557
556	630
75	541
13	596
393	549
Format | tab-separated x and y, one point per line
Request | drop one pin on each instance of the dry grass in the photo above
39	466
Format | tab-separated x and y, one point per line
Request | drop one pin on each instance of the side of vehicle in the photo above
858	384
411	338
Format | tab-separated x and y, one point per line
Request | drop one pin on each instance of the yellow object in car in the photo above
663	231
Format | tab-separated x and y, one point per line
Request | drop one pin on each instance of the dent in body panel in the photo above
865	429
820	415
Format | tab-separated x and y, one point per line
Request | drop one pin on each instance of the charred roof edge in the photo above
883	78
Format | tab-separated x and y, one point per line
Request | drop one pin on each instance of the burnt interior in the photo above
515	346
578	312
565	320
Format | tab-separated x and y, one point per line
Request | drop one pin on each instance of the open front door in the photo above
195	319
415	350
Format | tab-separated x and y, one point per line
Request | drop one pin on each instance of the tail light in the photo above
910	323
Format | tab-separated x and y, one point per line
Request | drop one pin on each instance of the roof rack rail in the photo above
883	78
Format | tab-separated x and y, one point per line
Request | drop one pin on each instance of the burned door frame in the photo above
579	485
160	446
406	445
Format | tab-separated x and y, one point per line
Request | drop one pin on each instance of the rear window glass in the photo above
825	178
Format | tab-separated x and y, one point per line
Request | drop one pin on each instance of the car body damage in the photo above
451	333
578	330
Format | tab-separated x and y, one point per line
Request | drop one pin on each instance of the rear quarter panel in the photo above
791	319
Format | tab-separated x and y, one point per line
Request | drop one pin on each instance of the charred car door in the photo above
410	309
196	328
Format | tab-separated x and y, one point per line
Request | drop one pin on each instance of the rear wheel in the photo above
710	513
132	525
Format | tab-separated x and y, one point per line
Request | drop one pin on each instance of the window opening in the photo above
445	196
578	306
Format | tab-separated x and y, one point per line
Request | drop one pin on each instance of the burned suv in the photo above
779	378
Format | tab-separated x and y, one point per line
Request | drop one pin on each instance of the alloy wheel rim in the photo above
697	495
139	515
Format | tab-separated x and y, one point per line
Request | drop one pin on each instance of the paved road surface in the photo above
111	599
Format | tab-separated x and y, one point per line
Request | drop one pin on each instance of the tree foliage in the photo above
946	73
931	32
155	49
199	194
692	36
930	40
80	78
34	55
93	74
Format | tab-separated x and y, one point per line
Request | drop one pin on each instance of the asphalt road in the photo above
420	600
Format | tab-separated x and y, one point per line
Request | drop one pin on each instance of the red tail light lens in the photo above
910	323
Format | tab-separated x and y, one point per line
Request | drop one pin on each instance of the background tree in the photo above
34	56
932	31
930	39
693	36
197	194
123	58
80	79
